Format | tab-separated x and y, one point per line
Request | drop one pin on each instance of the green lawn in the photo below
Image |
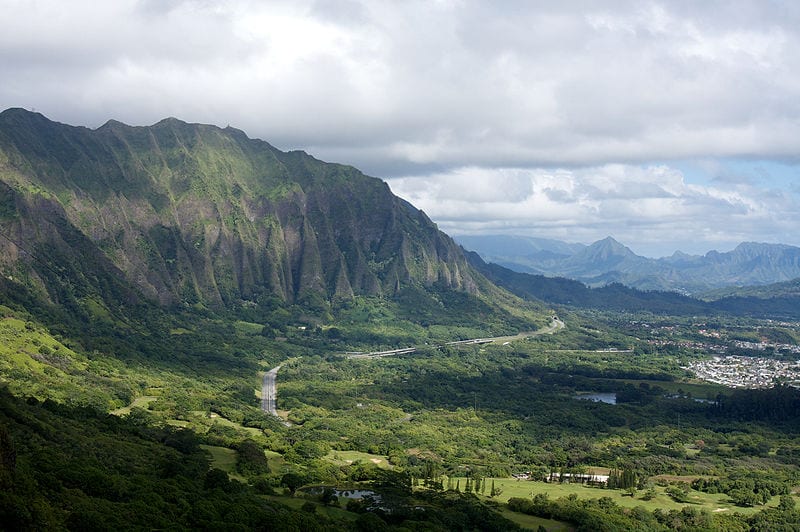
140	402
275	461
221	457
216	418
700	390
247	328
533	523
224	459
335	512
350	457
711	502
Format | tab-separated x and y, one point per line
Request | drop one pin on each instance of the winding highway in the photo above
555	325
269	394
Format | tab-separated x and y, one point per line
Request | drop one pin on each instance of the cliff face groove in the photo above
189	213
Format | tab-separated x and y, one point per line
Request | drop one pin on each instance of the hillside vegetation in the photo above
188	214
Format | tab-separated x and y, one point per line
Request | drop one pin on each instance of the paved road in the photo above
269	394
555	325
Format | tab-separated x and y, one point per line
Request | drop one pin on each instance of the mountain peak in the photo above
111	124
170	121
609	245
17	111
760	247
17	115
678	254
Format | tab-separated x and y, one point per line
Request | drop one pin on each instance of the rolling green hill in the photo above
775	290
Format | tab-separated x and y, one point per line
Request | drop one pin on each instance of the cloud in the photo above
453	83
649	208
470	92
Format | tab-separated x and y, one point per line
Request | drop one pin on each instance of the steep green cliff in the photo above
193	214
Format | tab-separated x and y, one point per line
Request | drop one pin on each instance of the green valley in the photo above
152	276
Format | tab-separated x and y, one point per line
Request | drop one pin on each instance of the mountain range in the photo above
777	301
196	215
97	223
608	261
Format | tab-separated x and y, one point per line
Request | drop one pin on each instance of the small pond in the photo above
353	493
599	397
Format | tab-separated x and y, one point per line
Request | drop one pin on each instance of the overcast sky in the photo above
667	125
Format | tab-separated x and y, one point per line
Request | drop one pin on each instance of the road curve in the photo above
555	326
269	393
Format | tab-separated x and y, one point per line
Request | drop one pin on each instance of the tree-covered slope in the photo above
195	214
775	290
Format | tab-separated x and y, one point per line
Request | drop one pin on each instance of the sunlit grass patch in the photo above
532	522
139	402
716	502
352	457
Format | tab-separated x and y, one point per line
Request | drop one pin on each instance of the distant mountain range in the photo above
777	301
607	261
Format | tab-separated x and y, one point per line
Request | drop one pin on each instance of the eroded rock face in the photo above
189	213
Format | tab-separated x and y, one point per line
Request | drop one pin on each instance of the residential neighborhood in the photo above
747	372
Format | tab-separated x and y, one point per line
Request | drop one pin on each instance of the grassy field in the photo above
139	402
350	457
224	459
531	522
216	418
275	461
297	503
221	457
711	502
246	328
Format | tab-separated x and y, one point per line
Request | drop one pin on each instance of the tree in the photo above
787	503
678	492
650	494
292	481
250	458
216	478
743	497
495	491
329	497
